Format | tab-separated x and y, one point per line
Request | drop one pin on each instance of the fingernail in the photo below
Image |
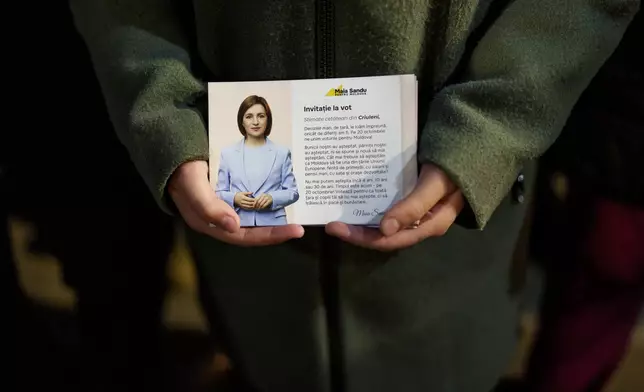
229	224
389	227
300	232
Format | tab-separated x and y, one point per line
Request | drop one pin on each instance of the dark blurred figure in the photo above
8	273
9	285
68	174
590	237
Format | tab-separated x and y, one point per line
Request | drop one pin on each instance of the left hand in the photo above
201	209
264	201
432	206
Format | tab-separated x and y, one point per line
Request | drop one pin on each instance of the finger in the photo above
217	212
189	215
249	205
207	207
371	238
432	186
431	224
446	212
264	203
258	236
365	237
256	202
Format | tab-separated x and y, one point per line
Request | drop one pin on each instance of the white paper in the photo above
344	149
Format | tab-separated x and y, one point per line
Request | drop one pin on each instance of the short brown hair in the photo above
247	104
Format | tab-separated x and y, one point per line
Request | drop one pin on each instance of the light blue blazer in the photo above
280	184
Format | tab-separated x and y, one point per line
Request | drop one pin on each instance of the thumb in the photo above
432	186
218	213
204	202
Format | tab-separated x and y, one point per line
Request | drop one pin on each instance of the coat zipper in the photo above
330	248
325	16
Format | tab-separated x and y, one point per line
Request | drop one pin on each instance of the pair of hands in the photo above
431	208
245	201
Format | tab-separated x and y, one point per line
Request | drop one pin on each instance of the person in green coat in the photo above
352	308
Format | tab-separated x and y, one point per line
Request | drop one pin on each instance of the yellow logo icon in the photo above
335	92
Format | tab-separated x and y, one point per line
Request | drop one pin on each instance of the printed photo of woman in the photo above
256	175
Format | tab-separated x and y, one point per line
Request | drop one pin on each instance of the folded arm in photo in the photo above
223	183
289	193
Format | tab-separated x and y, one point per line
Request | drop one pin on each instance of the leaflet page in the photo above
347	144
409	135
312	151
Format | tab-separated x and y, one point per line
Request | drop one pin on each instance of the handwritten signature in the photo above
374	212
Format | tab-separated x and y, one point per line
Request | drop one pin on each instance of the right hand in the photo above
243	200
199	206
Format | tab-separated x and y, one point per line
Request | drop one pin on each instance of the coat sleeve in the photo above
289	193
140	55
520	84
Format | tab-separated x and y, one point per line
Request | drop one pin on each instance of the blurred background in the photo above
82	239
51	345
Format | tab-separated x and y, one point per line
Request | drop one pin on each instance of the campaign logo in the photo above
340	91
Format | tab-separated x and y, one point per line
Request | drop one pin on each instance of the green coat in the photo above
434	317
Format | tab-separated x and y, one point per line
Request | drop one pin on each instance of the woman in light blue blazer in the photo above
256	175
